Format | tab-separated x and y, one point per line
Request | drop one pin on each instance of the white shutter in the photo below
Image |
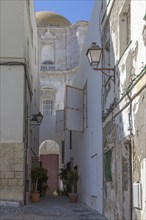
74	109
60	120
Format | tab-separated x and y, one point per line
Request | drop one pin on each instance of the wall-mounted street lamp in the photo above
36	118
94	54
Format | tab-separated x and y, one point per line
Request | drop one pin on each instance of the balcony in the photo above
46	68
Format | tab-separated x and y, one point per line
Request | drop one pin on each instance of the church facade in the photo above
60	46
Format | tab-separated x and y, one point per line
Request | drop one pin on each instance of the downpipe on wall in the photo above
130	154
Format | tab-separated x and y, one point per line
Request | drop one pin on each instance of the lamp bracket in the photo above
110	69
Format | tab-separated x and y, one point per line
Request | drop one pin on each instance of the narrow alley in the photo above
72	110
50	208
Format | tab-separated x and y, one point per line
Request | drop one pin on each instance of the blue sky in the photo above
73	10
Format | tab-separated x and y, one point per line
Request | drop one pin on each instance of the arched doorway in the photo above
49	157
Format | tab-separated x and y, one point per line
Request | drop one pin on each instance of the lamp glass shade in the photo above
89	56
93	54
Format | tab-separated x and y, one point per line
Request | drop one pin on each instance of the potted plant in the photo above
70	178
38	175
63	177
43	184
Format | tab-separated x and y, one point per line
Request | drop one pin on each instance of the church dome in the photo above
48	18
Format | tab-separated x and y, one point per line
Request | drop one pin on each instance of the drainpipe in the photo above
25	137
130	155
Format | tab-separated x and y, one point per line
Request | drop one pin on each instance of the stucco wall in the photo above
124	127
12	172
18	82
87	146
31	56
10	26
11	112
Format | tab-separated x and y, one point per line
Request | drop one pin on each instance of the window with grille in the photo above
48	107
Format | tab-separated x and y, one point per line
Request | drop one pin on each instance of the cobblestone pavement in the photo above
50	208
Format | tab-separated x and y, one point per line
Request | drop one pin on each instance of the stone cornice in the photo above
58	73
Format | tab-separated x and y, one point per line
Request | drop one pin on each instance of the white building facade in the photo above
123	30
86	134
108	144
19	99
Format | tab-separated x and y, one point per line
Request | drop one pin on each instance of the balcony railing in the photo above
52	67
46	68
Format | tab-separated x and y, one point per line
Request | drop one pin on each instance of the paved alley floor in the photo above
50	208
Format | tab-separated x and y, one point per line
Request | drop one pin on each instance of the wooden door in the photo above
51	163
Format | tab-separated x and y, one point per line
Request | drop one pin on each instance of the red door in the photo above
51	163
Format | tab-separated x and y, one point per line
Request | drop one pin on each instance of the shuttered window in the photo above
107	164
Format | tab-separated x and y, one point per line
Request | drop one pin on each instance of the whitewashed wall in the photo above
10	26
11	115
87	146
31	54
18	40
12	78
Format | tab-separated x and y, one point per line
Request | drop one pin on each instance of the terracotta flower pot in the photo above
73	197
35	196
